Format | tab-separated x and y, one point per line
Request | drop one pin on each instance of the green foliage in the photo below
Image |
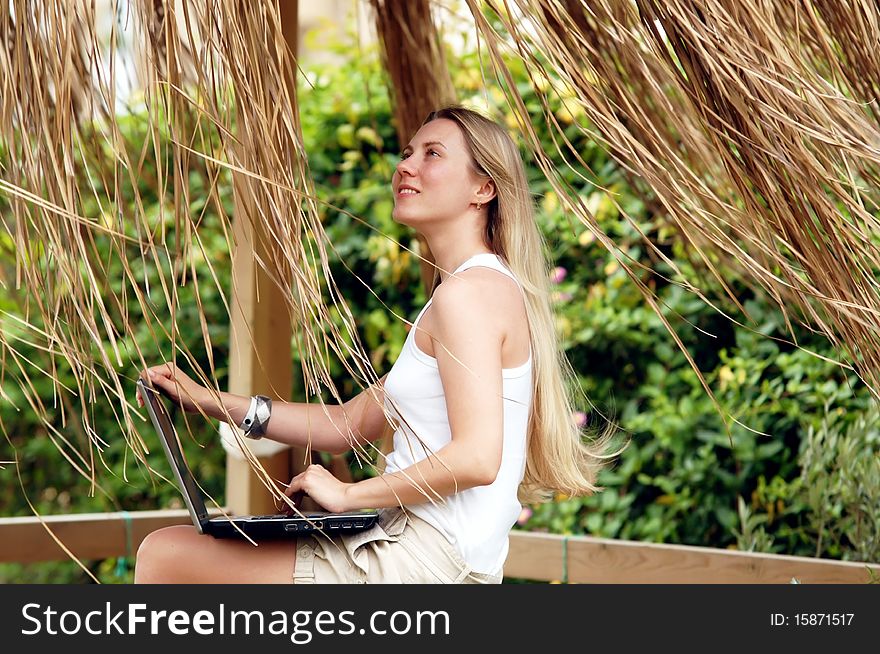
841	486
681	477
688	476
752	536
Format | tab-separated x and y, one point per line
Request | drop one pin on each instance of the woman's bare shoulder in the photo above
486	287
480	299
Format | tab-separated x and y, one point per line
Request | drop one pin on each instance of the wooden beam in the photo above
533	556
260	358
609	561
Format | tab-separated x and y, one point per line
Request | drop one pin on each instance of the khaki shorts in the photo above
400	548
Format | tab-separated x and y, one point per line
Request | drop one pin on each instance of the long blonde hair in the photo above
561	456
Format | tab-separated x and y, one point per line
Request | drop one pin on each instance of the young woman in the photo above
480	397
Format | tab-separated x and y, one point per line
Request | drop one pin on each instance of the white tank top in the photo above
477	520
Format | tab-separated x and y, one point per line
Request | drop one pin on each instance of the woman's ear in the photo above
486	192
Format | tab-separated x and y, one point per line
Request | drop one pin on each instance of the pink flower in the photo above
560	296
558	274
580	418
524	515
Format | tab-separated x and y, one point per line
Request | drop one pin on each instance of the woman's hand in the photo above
320	484
178	387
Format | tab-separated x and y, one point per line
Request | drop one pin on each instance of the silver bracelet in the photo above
257	417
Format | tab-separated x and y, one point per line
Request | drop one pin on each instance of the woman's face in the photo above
434	181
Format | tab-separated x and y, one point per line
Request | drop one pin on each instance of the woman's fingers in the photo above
160	373
159	376
177	386
293	486
156	379
165	371
145	374
296	485
162	377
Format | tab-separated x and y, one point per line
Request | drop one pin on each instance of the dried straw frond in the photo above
220	98
413	58
761	156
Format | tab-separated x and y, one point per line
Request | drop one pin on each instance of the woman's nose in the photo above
405	167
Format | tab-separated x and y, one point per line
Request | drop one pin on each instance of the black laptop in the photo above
280	525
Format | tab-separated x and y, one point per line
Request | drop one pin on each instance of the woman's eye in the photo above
404	155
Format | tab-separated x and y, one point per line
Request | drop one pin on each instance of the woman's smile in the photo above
406	190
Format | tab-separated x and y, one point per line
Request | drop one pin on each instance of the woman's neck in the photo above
448	262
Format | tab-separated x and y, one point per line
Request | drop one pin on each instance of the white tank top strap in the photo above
488	260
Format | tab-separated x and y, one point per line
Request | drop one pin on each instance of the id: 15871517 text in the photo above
811	619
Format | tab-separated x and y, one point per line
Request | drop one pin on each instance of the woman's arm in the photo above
447	472
330	428
294	423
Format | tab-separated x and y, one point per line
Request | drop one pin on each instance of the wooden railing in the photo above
88	536
585	559
533	556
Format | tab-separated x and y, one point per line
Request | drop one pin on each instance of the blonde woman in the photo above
481	397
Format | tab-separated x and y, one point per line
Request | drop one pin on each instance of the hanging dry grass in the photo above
242	90
414	60
753	134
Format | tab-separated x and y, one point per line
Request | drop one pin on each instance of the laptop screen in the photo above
162	422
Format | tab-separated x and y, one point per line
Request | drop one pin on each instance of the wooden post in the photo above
261	364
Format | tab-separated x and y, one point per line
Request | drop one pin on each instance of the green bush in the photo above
840	484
